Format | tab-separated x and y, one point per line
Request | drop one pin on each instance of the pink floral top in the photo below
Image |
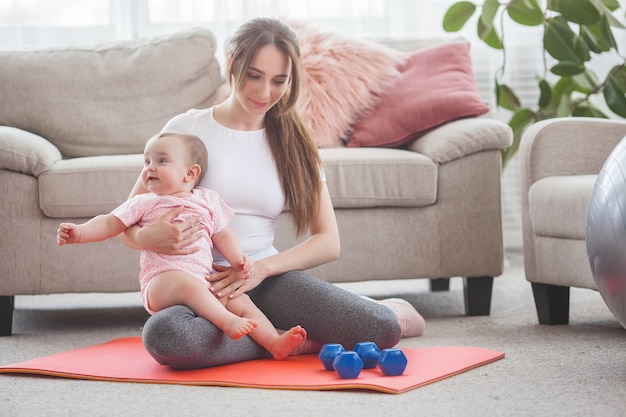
203	203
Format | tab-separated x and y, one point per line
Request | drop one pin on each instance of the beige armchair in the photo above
559	163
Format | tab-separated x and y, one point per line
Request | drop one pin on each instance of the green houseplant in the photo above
574	31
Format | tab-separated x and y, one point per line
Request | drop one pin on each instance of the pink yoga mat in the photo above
126	360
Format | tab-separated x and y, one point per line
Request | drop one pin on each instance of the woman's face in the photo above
266	80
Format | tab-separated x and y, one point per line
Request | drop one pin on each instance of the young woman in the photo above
263	160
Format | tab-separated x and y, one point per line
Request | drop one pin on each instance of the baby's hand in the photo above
68	233
245	266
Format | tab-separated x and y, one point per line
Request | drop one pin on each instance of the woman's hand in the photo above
166	237
228	282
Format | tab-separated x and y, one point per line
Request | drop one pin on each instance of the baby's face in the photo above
165	165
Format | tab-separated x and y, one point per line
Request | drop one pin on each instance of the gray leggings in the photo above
177	337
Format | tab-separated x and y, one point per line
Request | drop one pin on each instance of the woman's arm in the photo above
163	236
322	246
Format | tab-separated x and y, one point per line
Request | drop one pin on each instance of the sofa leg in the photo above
6	314
477	292
439	284
552	303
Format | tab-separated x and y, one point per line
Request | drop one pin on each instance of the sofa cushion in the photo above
26	152
86	187
374	177
107	99
559	205
460	138
436	86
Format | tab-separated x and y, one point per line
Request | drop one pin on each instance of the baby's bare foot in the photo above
286	342
238	327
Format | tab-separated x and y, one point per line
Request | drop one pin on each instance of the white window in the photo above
26	24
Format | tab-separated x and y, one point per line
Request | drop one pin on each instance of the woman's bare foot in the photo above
411	322
237	327
286	342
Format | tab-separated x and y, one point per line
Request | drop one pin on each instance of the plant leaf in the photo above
560	41
525	12
485	26
612	5
615	98
586	109
606	8
457	16
521	119
489	36
595	38
567	68
563	108
618	74
506	98
555	5
545	96
585	82
582	12
490	10
518	123
607	33
615	91
563	87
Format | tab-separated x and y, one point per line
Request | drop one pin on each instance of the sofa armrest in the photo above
567	146
463	137
26	152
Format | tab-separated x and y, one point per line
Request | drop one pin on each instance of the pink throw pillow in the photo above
343	77
436	86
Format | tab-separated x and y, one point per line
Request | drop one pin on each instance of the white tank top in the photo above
241	169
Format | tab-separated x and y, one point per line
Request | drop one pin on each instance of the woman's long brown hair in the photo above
294	151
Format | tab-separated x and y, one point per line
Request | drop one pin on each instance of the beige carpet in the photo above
573	370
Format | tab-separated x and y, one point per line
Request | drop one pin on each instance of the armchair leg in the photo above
6	314
439	284
477	292
552	303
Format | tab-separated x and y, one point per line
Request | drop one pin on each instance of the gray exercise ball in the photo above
606	232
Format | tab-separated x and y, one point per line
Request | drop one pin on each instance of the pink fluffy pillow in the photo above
342	78
436	86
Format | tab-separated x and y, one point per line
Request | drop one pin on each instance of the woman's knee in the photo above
159	328
388	330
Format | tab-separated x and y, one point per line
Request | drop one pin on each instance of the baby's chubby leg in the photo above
265	334
177	287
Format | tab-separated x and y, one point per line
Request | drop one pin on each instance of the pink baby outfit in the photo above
204	204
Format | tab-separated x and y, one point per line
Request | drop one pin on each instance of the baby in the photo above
174	165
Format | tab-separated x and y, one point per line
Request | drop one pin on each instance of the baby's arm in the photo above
99	228
227	243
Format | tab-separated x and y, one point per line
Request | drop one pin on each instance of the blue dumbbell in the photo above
369	353
348	364
366	355
328	354
391	361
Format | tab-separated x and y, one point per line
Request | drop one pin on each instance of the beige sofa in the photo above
73	123
559	162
